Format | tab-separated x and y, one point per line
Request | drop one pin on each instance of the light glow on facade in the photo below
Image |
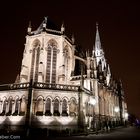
126	116
116	109
58	86
15	119
2	119
92	101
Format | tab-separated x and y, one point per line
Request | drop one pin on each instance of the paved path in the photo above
129	133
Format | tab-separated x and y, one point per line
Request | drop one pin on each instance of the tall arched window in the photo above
16	106
35	60
66	60
49	53
32	64
37	64
4	108
10	106
54	65
51	62
64	108
73	107
48	107
39	107
56	108
22	106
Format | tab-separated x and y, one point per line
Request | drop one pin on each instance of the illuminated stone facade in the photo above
50	93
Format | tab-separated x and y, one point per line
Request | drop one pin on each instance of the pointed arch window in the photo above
66	60
39	107
54	65
32	64
35	60
56	108
16	107
4	107
64	108
10	107
73	107
48	107
37	64
22	106
51	62
49	53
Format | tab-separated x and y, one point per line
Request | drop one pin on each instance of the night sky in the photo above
119	27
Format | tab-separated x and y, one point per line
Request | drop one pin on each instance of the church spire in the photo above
62	28
73	39
97	39
108	70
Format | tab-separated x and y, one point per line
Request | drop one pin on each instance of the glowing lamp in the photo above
126	115
116	109
93	101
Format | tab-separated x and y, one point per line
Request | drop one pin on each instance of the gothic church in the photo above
48	92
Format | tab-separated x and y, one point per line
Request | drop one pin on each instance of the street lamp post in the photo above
125	118
92	102
116	109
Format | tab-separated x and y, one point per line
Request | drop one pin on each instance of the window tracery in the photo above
51	62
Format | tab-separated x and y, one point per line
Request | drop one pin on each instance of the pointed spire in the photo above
73	39
97	39
87	53
104	71
120	82
17	79
45	19
62	28
45	22
29	28
108	70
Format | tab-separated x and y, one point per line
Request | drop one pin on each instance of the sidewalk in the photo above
99	131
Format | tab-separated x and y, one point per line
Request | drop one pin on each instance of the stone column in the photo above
44	107
52	107
6	110
60	108
35	107
0	107
19	103
68	108
13	107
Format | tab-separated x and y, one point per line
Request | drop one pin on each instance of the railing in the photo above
14	86
56	86
78	77
38	85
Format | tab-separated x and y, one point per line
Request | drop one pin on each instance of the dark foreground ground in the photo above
127	133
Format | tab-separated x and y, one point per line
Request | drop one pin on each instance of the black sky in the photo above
119	26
